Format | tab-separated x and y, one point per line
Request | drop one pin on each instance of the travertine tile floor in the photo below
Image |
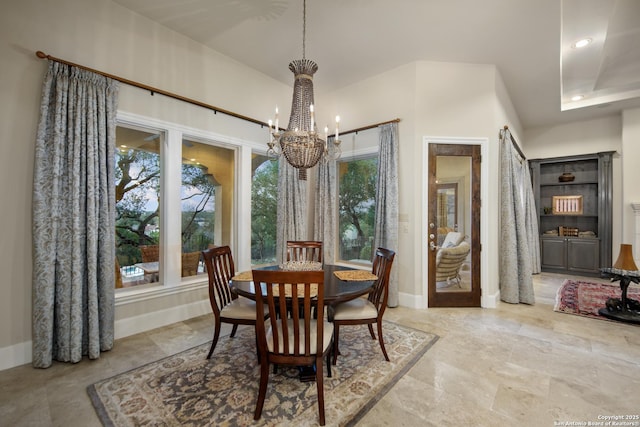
516	365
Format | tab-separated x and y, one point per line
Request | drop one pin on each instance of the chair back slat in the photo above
220	269
290	301
304	250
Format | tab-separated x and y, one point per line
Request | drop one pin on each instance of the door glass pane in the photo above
264	208
453	204
137	180
206	201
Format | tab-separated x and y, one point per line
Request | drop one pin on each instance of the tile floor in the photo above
516	365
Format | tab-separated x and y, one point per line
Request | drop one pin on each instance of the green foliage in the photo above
264	209
358	180
137	177
138	187
197	209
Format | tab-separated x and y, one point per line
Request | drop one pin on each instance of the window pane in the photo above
264	206
356	195
137	180
207	201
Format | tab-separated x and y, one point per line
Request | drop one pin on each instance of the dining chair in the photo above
292	336
190	261
304	250
150	253
368	310
227	307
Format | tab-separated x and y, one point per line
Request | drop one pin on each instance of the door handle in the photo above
432	246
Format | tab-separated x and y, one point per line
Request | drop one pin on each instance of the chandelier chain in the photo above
304	28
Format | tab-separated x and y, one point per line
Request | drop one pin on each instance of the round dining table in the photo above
335	289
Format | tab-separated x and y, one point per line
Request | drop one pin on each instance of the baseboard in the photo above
490	301
21	354
411	300
16	355
156	319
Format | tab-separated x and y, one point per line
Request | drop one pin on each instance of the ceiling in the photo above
528	40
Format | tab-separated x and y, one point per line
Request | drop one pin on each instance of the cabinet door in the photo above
554	252
583	255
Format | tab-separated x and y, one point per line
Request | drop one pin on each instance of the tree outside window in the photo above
264	208
356	199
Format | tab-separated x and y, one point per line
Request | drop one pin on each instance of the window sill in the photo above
144	293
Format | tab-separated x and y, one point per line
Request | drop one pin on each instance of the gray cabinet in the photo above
574	254
574	240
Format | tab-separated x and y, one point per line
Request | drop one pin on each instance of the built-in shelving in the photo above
590	250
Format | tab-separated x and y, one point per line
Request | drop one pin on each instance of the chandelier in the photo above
300	143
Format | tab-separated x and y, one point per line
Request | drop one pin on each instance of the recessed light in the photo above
581	43
577	97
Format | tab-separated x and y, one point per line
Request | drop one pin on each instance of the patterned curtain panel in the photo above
292	208
386	227
74	217
326	202
516	246
531	219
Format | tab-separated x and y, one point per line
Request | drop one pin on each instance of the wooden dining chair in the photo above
304	250
367	311
292	336
227	307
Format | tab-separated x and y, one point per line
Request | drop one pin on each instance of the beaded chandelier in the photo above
300	143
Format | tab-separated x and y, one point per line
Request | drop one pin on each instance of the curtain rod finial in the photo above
40	54
506	127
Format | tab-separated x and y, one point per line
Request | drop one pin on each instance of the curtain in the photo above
326	202
519	248
74	217
386	226
292	208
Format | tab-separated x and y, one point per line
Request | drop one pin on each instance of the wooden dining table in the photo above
335	289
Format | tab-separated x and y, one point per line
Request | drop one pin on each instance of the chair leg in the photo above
216	335
373	336
320	386
329	357
234	330
262	391
336	338
384	351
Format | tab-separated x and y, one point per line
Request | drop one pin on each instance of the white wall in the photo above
629	153
102	35
439	100
432	99
585	137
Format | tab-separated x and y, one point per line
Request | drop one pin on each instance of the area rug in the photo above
586	298
186	389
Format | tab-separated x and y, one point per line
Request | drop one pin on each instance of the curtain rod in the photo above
367	127
515	144
154	90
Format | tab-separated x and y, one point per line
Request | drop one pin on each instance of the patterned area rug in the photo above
586	298
187	390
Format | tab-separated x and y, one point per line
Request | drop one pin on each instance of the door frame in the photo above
484	215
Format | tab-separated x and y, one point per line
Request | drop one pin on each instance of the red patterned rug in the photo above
586	298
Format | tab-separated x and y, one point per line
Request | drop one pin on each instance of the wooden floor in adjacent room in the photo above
515	365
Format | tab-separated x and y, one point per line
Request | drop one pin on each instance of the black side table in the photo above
624	309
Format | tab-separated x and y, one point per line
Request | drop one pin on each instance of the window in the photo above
357	180
172	192
264	207
137	180
206	197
